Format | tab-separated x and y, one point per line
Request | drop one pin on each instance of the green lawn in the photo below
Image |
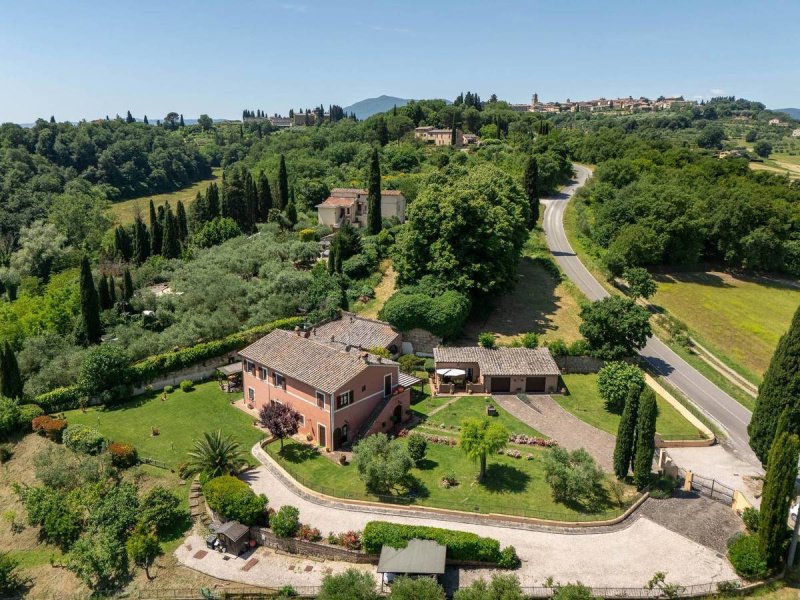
584	402
124	212
513	486
739	320
180	419
465	407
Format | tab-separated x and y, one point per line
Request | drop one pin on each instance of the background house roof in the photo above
500	361
353	330
335	201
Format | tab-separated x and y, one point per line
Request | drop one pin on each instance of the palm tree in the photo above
214	455
479	437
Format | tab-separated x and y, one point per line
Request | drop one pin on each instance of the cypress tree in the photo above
171	246
264	201
453	135
383	132
102	293
645	438
212	199
283	185
626	434
374	195
155	232
112	290
250	202
291	211
181	122
183	225
129	118
123	247
11	383
198	212
146	122
777	497
141	241
530	182
90	304
332	252
127	285
780	388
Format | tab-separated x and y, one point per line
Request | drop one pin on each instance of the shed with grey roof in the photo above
419	557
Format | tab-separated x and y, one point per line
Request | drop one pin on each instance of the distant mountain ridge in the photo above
792	112
372	106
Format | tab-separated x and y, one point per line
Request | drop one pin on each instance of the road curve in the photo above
716	404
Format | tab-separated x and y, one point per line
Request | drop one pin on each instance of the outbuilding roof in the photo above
352	330
338	201
233	530
500	361
419	557
321	366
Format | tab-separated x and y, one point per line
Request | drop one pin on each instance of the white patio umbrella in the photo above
451	372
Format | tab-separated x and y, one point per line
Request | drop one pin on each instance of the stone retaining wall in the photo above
265	537
196	372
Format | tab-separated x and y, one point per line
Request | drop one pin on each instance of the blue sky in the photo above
86	59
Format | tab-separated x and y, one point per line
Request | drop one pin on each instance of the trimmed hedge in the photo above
746	557
461	545
68	398
84	439
232	498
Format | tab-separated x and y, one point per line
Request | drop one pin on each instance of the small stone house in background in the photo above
350	204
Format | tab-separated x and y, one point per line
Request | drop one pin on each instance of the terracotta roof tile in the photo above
355	331
500	361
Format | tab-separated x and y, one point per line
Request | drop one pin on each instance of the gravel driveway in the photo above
625	556
544	414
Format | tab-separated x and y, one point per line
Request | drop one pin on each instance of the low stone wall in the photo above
196	373
422	341
580	365
265	537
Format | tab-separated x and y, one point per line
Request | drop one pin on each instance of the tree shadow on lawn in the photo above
505	478
298	453
426	464
597	501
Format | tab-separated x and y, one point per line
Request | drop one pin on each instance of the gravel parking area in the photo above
700	519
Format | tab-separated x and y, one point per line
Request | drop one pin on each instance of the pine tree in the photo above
146	122
155	232
626	434
90	304
102	293
264	202
11	383
530	181
780	388
183	225
141	241
112	290
291	211
645	438
53	119
283	185
127	286
777	497
171	245
374	220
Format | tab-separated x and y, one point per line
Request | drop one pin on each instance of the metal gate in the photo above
710	488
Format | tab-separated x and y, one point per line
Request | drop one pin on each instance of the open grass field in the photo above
739	319
180	419
450	417
512	486
584	402
124	212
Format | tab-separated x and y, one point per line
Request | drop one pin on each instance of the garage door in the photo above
534	384
501	384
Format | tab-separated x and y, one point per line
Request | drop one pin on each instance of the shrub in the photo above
529	340
663	488
508	558
417	446
122	455
429	365
5	453
382	464
574	477
59	399
308	533
350	540
750	516
557	347
357	267
168	389
232	498
286	521
461	545
103	368
410	363
187	385
160	508
27	413
9	416
307	235
614	381
215	232
443	314
10	579
84	439
746	558
487	340
50	427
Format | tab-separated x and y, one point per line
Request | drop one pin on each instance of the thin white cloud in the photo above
717	92
301	8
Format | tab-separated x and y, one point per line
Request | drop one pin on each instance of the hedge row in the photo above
461	545
68	398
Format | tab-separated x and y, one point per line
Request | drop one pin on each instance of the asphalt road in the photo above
731	416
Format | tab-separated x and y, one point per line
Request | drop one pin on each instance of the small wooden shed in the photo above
234	537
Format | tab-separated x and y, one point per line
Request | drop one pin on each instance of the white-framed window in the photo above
251	394
344	399
278	380
249	366
263	373
320	400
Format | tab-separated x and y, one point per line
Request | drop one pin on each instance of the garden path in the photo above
545	415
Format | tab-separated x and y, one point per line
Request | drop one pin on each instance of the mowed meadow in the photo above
739	319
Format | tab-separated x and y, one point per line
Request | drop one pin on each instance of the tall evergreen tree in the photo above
454	134
291	210
171	246
146	122
238	197
155	232
141	241
102	293
123	246
777	497
129	118
90	304
383	131
11	383
183	225
112	290
212	199
626	433
283	184
181	124
530	181
127	286
332	252
199	213
264	202
780	388
645	438
374	219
